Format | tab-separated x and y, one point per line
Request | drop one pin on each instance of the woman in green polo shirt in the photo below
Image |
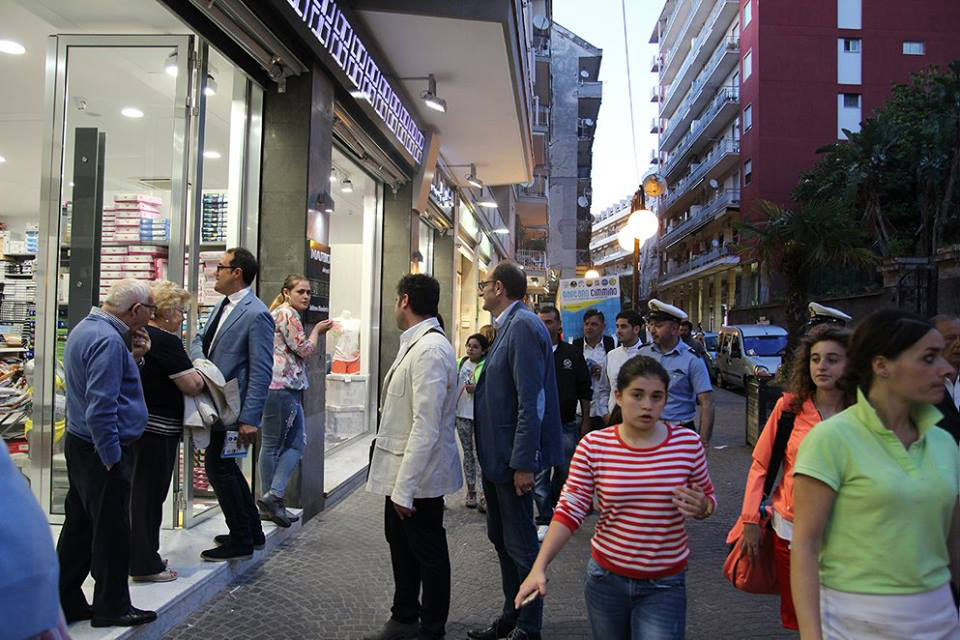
876	496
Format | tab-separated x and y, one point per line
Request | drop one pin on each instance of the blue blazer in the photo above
243	349
516	407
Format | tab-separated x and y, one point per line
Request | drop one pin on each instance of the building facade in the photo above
748	92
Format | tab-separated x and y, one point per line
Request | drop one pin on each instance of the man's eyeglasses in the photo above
483	285
225	266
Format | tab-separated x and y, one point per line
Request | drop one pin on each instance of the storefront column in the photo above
731	288
297	141
718	301
443	271
700	317
396	263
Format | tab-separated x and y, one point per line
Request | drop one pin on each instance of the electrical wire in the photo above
633	125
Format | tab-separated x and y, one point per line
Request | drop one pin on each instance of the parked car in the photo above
749	351
710	341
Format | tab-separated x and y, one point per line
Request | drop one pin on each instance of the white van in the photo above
749	351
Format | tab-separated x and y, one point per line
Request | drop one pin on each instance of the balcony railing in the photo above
725	198
669	58
655	63
655	93
541	118
655	125
728	45
541	46
532	259
727	95
681	187
536	189
724	251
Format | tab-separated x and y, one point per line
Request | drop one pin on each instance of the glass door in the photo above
114	201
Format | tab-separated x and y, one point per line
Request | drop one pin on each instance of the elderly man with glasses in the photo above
106	413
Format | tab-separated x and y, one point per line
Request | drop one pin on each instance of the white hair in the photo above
128	292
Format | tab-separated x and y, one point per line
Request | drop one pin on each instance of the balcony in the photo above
723	60
534	190
603	240
541	46
532	259
700	51
541	119
655	93
590	90
655	63
668	35
610	257
692	24
705	214
655	125
725	105
714	165
702	264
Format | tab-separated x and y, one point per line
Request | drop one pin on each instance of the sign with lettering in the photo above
576	295
368	83
442	194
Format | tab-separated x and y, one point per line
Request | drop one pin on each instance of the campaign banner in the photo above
576	295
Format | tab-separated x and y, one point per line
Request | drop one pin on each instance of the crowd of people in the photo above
850	506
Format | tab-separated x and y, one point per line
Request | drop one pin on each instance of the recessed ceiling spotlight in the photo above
346	186
211	155
12	48
502	231
211	88
2	159
488	204
131	112
170	66
333	176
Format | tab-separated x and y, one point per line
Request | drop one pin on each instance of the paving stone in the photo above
333	580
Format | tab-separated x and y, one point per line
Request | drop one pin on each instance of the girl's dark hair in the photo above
887	333
641	367
800	382
482	339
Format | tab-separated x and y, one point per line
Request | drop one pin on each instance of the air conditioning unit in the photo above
694	125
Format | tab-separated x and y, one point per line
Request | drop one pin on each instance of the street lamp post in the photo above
641	226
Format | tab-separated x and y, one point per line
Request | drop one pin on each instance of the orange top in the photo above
782	498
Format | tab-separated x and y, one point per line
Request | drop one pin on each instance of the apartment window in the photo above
747	172
747	13
747	65
747	117
848	60
849	112
848	14
914	48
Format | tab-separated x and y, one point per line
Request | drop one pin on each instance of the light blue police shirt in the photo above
688	379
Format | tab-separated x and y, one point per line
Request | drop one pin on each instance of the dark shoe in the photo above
394	630
499	629
131	618
520	634
78	616
270	507
224	539
228	552
291	516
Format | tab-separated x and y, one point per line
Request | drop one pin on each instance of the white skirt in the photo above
919	616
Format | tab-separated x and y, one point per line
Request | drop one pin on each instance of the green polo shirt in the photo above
888	530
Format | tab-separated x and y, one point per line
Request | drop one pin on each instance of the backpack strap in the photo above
784	429
460	365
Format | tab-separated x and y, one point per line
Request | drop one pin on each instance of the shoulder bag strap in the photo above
784	429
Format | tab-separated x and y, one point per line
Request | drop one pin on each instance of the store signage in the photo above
442	194
336	35
576	295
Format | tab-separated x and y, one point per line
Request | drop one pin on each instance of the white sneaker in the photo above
542	532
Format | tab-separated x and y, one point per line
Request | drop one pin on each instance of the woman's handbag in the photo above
759	575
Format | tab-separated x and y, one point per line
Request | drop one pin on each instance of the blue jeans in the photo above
283	439
549	482
621	608
511	530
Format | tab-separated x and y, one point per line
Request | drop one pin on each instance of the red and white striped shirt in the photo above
640	533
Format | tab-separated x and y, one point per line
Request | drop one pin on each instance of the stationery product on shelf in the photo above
214	218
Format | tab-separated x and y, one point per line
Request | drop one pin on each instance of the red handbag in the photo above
753	576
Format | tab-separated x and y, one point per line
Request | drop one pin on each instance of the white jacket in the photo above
415	454
219	403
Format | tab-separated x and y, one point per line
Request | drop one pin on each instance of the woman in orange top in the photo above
819	362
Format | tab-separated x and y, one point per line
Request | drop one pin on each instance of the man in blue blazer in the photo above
517	416
238	338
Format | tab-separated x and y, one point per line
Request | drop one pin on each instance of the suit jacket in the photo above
243	350
608	343
516	409
415	453
951	417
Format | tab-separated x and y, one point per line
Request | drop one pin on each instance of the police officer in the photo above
689	381
820	314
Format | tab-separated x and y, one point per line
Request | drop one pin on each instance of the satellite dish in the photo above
583	201
540	22
584	73
714	184
588	121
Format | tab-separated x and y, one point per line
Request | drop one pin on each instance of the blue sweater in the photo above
105	403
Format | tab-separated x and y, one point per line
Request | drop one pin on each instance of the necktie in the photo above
211	329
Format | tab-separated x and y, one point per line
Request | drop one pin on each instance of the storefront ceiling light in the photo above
472	179
211	88
487	204
211	155
12	48
360	95
131	112
430	97
2	159
347	186
333	176
502	231
170	66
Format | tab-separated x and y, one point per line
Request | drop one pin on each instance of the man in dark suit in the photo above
949	326
517	415
238	338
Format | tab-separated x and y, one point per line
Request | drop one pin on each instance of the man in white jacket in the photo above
416	462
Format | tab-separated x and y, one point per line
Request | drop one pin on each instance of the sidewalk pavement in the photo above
333	581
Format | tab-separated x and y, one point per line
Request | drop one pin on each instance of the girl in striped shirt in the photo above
648	477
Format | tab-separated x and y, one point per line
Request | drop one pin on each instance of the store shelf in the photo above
18	256
12	350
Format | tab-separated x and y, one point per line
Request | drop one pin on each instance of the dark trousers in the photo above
154	457
233	493
549	482
95	538
418	551
597	422
511	529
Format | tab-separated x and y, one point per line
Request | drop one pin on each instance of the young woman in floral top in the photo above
283	434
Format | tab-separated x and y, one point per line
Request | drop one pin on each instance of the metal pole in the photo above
636	274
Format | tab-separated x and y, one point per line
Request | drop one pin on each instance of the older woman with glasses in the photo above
167	374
